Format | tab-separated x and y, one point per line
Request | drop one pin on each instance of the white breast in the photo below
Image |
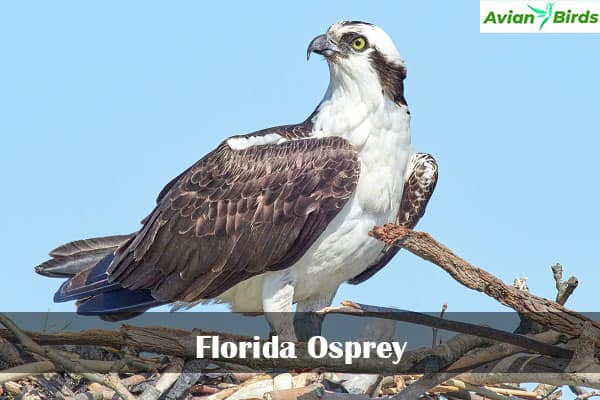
345	249
382	138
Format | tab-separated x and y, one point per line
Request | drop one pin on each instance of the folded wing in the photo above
236	214
418	188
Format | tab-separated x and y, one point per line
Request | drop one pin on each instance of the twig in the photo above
520	393
589	379
422	385
42	367
30	346
435	330
543	311
564	288
479	390
25	370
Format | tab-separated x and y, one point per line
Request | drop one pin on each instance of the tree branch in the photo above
588	379
167	379
181	343
564	288
70	365
350	308
500	350
540	310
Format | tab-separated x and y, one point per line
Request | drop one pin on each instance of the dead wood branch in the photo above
182	343
563	292
584	357
424	384
292	394
167	379
41	367
70	365
9	354
564	288
541	310
435	330
479	390
525	342
591	380
534	368
481	358
499	351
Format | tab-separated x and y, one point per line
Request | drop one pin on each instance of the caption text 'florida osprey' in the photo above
274	217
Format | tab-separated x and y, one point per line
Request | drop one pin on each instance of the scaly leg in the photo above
278	297
306	322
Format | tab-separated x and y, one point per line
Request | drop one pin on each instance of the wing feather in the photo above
235	214
418	188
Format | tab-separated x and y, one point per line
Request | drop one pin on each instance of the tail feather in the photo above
69	266
85	264
89	245
118	302
70	259
91	281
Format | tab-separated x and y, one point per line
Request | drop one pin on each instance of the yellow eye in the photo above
359	43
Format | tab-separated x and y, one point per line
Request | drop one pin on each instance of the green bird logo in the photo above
544	14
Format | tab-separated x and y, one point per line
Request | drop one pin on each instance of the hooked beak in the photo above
322	45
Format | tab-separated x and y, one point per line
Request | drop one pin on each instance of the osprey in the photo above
275	217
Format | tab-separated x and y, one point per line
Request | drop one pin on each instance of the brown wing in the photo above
417	191
236	214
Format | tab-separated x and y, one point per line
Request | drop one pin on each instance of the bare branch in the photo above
542	311
167	379
424	384
588	379
65	362
182	343
564	288
435	330
563	292
499	351
525	342
584	356
9	355
479	390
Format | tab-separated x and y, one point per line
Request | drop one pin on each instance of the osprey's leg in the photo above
306	322
278	297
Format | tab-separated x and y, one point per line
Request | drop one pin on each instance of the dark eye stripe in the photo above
349	37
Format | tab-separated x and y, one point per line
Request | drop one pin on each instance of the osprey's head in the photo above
362	53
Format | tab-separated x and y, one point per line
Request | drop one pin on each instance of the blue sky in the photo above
101	103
